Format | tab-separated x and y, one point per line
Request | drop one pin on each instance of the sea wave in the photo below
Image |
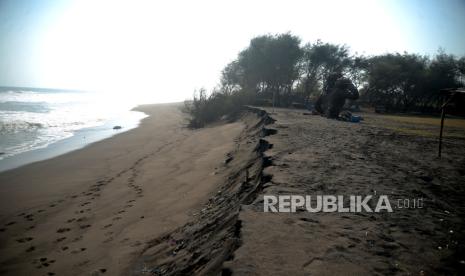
37	107
16	126
31	120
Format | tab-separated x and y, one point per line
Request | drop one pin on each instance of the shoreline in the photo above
80	139
89	211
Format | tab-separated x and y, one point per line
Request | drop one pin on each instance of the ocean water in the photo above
31	120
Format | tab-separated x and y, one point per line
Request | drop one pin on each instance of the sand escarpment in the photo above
209	240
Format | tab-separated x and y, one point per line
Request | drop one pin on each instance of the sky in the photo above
164	50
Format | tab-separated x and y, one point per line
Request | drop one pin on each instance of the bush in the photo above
205	109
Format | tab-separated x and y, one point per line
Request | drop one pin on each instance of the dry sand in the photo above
166	200
312	155
94	210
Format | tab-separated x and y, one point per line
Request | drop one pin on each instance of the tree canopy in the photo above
278	68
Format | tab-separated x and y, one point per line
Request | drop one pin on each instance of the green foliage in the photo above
321	59
205	109
396	81
275	69
267	65
357	70
410	82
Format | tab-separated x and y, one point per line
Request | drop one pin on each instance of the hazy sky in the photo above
166	49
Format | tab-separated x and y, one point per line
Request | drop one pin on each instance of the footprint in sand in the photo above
30	249
63	230
106	226
124	240
117	218
76	251
45	262
77	239
60	239
10	223
23	240
108	240
85	226
84	211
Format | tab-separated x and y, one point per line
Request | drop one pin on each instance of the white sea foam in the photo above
31	120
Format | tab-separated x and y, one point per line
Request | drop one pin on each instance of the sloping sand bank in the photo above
96	209
202	246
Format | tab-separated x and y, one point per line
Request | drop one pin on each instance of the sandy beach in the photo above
221	138
94	210
163	199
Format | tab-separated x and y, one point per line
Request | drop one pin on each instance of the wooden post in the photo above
443	114
448	92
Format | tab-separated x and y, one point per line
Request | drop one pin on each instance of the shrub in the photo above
204	109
